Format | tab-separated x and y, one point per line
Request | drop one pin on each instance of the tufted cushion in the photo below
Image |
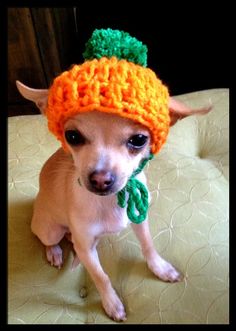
188	181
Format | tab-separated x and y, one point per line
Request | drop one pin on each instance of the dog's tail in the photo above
75	262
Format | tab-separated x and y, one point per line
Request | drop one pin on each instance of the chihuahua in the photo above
77	195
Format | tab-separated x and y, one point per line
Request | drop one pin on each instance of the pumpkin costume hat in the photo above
114	78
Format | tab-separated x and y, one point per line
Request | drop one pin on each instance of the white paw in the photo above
113	306
163	269
54	255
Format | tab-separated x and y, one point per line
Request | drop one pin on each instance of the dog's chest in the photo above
115	221
110	218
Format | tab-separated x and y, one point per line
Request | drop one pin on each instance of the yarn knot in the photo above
137	202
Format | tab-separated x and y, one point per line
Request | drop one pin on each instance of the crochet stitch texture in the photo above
113	86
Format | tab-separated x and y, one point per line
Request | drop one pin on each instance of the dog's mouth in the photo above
102	193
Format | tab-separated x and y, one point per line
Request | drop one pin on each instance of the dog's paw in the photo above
54	256
163	269
113	306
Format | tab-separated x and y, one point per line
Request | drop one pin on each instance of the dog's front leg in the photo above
155	262
110	300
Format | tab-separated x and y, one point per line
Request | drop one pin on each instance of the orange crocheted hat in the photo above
113	79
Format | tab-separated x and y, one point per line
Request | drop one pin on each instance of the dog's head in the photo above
106	148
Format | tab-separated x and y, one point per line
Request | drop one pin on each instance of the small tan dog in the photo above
77	193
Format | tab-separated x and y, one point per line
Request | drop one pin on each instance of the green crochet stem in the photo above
109	42
137	196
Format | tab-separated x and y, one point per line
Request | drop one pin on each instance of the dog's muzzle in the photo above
102	182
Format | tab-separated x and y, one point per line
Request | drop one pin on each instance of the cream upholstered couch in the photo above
188	181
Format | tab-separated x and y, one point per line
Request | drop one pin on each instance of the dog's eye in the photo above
137	141
74	137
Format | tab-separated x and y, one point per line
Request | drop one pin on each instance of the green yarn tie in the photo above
138	196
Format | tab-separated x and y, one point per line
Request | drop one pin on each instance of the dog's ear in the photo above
38	96
179	110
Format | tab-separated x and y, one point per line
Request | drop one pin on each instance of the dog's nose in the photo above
102	180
